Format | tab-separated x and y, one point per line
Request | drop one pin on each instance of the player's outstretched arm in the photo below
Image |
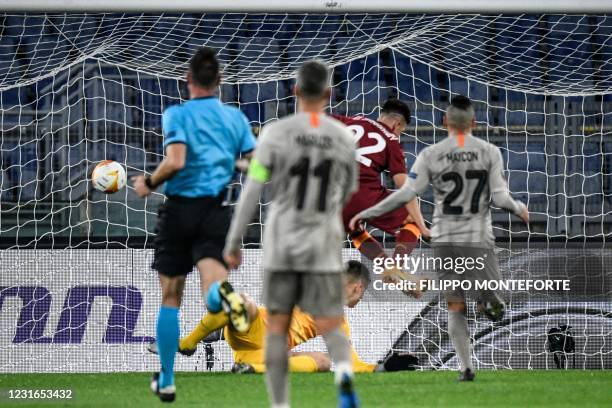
417	182
500	193
502	199
393	201
242	216
413	206
169	166
258	174
242	163
414	209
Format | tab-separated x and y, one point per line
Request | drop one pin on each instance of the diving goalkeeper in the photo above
248	348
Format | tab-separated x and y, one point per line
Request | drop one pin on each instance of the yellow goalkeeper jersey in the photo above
249	346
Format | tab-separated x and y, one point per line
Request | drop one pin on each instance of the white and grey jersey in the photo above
466	174
309	162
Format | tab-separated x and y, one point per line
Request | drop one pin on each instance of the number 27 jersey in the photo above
464	171
313	172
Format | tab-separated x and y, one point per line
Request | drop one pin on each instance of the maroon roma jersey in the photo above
378	149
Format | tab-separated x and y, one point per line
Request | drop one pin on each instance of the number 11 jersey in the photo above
313	172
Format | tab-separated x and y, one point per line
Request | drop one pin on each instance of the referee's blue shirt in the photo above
215	134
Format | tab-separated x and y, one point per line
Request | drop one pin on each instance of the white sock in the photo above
460	336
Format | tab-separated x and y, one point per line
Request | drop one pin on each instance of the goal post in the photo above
79	85
314	6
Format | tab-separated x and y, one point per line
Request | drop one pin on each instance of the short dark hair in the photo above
357	270
313	79
394	105
461	102
460	113
204	67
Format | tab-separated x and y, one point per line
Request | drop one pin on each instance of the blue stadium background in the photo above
68	101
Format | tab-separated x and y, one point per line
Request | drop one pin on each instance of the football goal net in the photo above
79	86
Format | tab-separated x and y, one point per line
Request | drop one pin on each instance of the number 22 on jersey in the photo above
358	133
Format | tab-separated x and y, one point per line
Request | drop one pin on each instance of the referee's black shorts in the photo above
189	229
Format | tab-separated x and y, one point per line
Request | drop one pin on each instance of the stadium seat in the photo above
517	118
366	95
517	181
458	86
28	182
536	157
150	101
516	157
34	26
229	93
366	67
418	80
409	153
259	57
258	53
478	92
13	26
326	25
591	184
593	204
106	150
591	160
301	49
256	99
570	55
516	54
536	182
7	45
135	155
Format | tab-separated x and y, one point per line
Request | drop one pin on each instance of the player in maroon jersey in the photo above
378	149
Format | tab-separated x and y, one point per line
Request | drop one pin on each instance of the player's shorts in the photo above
366	198
485	267
319	294
188	230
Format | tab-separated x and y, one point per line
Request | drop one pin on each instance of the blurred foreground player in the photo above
467	175
309	160
202	139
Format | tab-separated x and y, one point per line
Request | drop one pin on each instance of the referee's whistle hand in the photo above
141	189
233	259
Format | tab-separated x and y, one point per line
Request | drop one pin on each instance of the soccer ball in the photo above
108	176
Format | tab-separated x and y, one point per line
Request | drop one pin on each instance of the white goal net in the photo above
76	289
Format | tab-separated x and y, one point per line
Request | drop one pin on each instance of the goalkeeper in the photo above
248	348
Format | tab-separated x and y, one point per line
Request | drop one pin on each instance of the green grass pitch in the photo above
505	388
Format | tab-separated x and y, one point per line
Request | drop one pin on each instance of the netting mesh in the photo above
553	54
77	89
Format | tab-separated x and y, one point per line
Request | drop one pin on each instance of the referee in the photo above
203	138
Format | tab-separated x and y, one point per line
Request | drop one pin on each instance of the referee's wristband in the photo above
149	183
